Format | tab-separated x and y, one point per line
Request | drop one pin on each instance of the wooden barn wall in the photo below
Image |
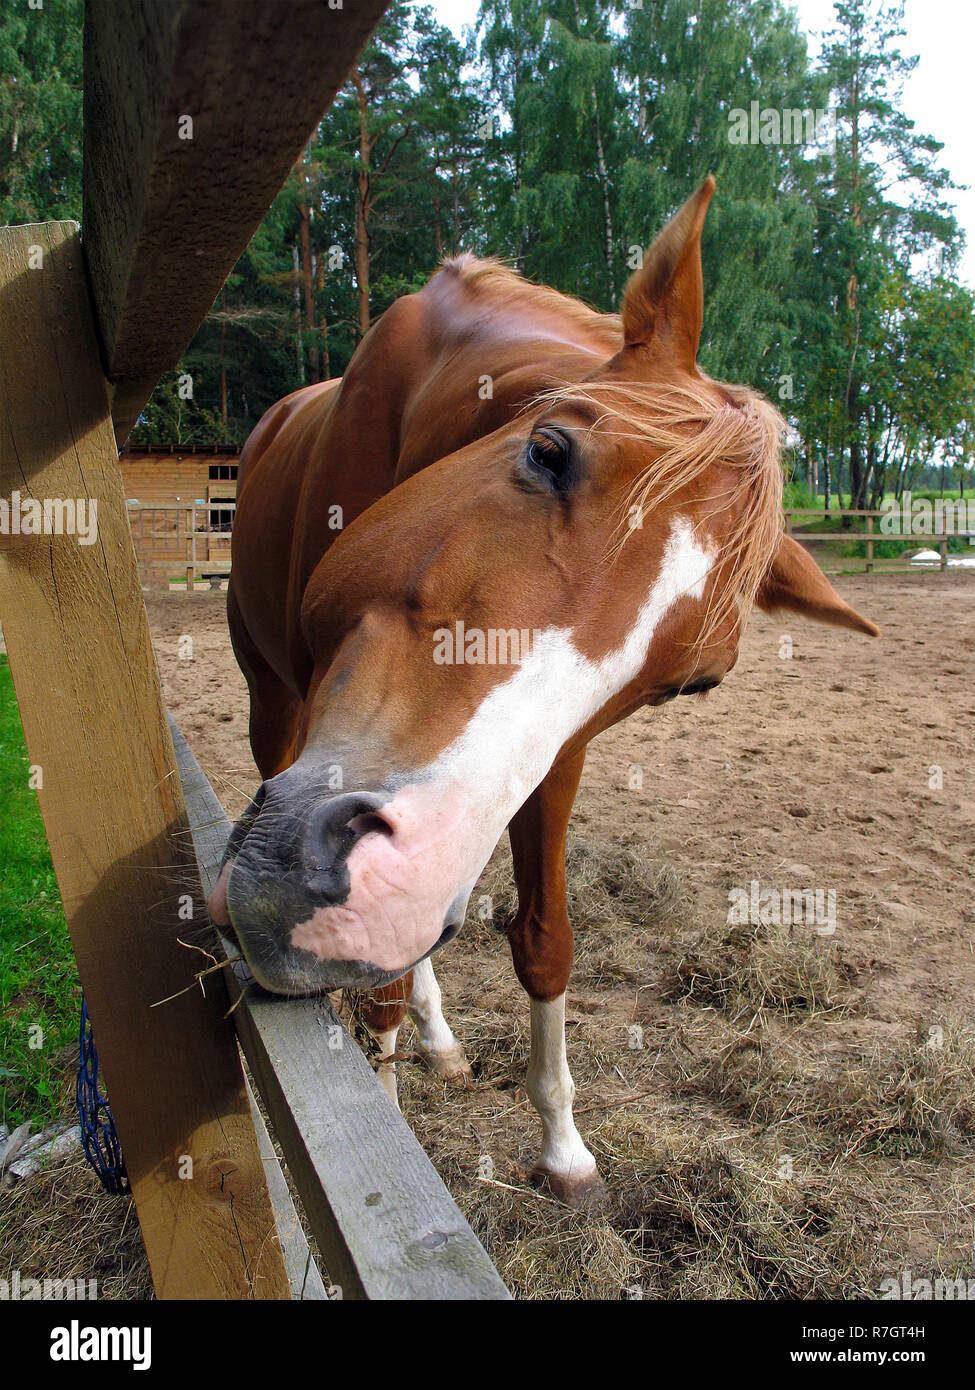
163	540
162	480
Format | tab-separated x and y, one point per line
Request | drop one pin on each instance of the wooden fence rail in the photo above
185	539
83	668
939	538
384	1222
191	539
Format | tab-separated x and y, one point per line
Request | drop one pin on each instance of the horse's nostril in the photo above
367	823
336	826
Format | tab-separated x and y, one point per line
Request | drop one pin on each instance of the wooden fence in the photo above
85	335
384	1222
190	542
868	535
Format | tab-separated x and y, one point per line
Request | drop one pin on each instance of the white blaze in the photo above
446	825
513	739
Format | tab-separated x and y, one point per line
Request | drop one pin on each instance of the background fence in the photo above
191	542
187	543
801	521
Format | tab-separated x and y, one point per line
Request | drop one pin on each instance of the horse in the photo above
512	522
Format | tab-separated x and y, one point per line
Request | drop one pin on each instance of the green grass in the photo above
38	979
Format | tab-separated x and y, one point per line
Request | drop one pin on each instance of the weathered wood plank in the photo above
386	1225
165	216
304	1275
78	641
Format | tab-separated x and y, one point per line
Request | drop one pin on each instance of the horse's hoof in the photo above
451	1064
584	1192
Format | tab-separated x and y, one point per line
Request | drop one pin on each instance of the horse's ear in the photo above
795	582
664	299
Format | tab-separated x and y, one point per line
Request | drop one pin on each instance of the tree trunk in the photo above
857	472
853	392
363	207
299	349
607	214
308	281
826	483
223	372
870	477
320	285
437	238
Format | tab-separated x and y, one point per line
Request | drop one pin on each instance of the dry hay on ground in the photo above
737	1165
767	1107
61	1224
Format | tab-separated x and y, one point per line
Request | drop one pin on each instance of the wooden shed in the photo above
180	500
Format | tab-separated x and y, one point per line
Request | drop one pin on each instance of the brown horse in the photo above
513	522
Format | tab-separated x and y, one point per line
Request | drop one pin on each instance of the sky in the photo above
936	96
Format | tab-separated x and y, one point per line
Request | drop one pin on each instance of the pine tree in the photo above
40	112
880	205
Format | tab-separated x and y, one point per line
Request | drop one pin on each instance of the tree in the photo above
561	135
881	204
691	65
40	112
551	163
401	122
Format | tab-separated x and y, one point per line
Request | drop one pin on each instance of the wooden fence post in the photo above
86	682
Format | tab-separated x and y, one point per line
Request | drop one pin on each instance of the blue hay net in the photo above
98	1132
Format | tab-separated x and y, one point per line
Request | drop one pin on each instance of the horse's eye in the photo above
548	452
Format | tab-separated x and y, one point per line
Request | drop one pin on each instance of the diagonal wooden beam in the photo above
385	1224
195	112
97	736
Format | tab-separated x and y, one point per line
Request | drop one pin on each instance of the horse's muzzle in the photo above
319	894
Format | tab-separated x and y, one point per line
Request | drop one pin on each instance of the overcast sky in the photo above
937	97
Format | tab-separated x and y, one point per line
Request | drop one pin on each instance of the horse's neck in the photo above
485	370
436	373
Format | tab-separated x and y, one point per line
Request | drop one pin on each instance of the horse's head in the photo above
499	608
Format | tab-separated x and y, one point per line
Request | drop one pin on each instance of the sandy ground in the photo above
846	767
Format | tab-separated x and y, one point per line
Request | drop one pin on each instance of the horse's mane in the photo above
690	428
687	428
508	288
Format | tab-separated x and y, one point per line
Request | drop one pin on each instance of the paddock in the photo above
808	1054
177	97
769	1109
671	1018
180	500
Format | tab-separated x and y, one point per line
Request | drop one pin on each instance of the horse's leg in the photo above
441	1050
541	947
382	1012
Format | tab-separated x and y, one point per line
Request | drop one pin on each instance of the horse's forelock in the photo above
687	427
690	429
